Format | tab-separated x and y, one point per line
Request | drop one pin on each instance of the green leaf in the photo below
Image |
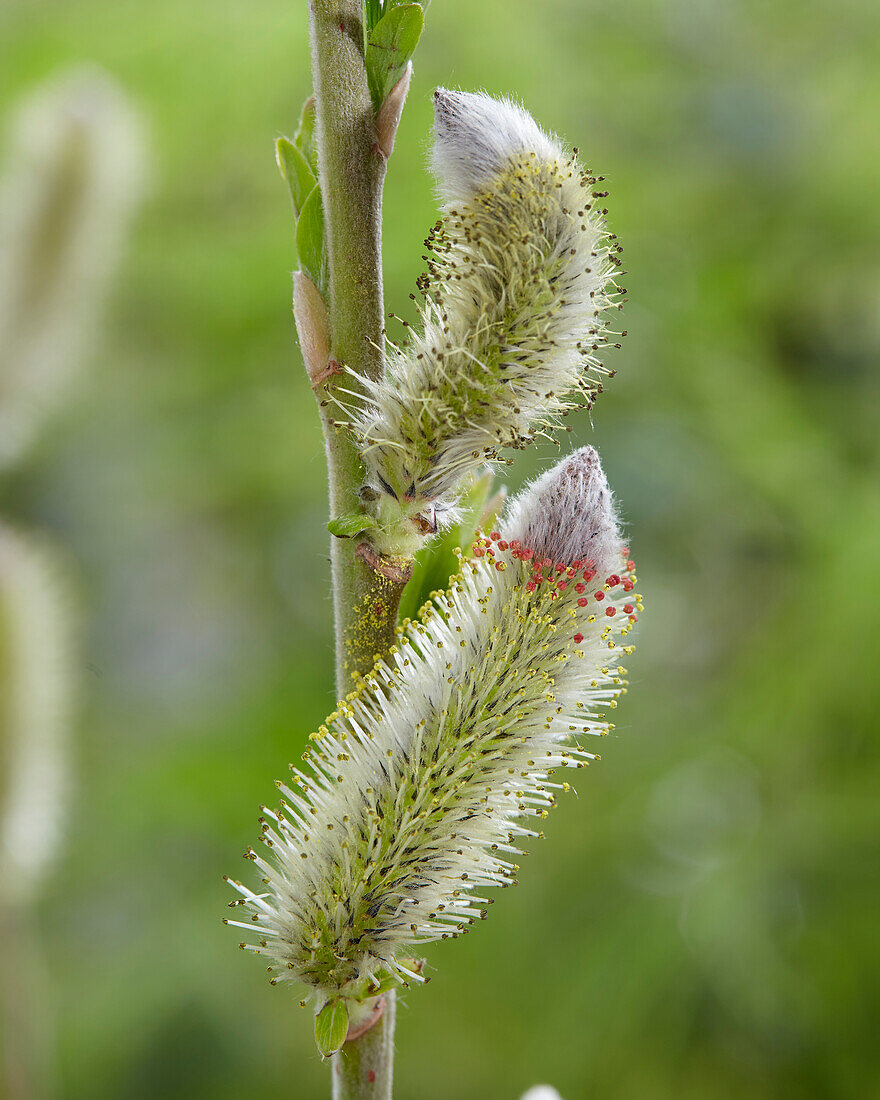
310	239
389	4
437	562
296	171
390	45
331	1027
304	138
372	10
351	524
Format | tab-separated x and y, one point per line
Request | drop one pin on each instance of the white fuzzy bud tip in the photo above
475	135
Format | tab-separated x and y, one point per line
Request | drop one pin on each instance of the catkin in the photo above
520	278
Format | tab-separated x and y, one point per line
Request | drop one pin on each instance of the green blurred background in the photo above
702	920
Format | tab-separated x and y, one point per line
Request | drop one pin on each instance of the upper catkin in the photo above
520	276
417	786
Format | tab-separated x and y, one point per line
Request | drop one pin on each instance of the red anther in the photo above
503	545
499	565
571	571
479	552
560	568
516	544
612	580
633	618
599	595
562	586
531	586
625	551
490	551
578	638
628	609
547	563
496	535
527	555
582	602
609	611
579	587
628	586
576	564
630	565
589	574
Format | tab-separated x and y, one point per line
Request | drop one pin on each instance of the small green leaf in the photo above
437	561
351	524
296	172
391	44
331	1027
372	10
304	139
310	239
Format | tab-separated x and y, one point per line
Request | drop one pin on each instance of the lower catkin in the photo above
421	787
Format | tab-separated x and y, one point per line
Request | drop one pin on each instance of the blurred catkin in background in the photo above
71	181
74	170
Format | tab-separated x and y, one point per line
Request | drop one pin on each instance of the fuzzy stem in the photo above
364	1068
351	170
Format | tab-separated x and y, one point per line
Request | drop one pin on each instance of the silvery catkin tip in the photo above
74	176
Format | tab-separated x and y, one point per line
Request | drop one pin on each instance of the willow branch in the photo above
351	173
